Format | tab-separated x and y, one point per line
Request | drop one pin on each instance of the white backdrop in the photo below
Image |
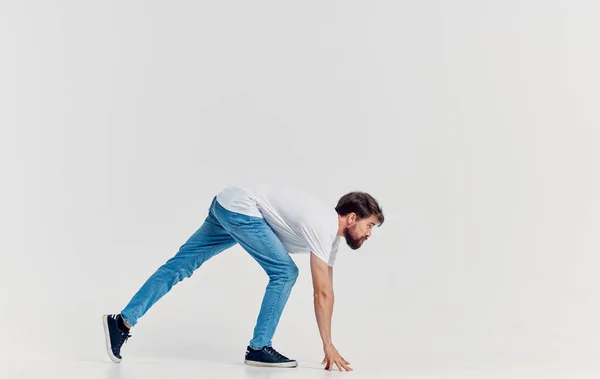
474	123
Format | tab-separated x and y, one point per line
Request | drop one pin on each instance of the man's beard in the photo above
352	240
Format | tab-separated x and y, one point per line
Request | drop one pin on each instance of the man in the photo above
269	222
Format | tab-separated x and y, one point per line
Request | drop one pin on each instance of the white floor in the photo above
150	368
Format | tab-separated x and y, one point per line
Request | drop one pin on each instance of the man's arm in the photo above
322	276
323	296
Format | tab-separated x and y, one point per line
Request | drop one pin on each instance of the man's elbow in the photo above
323	294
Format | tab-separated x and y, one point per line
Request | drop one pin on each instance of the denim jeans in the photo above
221	230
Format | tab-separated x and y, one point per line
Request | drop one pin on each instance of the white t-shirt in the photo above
300	221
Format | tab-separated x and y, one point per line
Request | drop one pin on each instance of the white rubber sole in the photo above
107	339
262	364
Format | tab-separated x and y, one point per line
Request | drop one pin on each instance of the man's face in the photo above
358	230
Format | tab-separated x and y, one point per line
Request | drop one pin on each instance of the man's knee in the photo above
287	273
178	268
293	272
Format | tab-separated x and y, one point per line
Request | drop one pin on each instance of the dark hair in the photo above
361	203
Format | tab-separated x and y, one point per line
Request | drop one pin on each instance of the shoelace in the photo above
275	353
124	337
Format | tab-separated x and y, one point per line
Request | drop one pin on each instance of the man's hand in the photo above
323	287
333	357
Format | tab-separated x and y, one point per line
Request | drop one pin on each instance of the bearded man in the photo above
269	222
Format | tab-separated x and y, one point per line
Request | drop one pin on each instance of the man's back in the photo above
301	221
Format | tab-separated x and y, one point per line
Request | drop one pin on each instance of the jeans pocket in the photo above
238	220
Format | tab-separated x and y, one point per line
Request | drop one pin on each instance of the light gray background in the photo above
475	124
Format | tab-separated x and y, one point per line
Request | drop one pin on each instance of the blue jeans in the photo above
221	230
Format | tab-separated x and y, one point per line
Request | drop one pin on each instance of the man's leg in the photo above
208	241
259	239
205	243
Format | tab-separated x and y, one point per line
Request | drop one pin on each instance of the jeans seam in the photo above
271	313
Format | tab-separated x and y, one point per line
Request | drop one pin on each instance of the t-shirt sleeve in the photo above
319	243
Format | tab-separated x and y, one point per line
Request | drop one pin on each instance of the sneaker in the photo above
115	337
267	357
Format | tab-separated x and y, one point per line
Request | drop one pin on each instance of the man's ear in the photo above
352	218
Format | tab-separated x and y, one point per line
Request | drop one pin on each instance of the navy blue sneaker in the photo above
115	337
267	357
